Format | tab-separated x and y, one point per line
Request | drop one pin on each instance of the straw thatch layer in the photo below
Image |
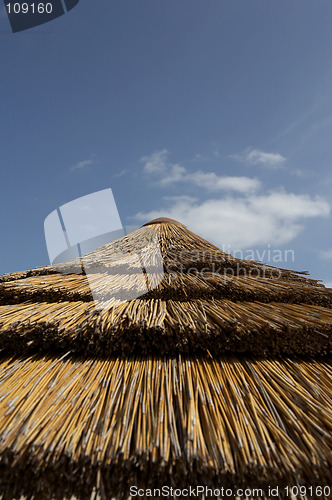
76	287
156	326
67	426
163	289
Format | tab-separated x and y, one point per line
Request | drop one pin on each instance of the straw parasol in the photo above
217	375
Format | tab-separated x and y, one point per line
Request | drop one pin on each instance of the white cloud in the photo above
80	165
328	285
121	173
289	206
243	221
175	173
326	254
165	174
257	157
199	157
245	216
212	182
156	162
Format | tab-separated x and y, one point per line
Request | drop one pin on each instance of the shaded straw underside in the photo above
171	326
67	426
175	285
200	299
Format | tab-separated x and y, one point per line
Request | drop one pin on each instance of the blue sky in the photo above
216	113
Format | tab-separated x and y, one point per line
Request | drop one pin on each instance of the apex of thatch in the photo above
164	220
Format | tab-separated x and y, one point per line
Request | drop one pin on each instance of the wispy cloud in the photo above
83	164
155	163
198	157
121	173
257	157
325	254
164	173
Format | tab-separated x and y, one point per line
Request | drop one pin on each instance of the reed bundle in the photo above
210	376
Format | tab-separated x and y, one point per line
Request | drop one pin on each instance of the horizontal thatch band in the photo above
175	286
67	426
167	327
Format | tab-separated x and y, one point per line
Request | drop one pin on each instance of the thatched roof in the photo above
217	372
